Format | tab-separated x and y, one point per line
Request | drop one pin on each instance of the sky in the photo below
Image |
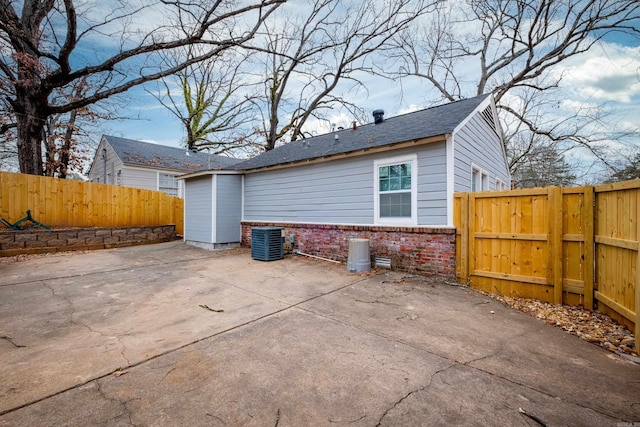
607	75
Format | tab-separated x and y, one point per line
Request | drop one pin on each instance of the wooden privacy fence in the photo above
577	246
64	203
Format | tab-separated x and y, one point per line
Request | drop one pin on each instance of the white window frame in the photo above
377	164
500	185
160	188
480	178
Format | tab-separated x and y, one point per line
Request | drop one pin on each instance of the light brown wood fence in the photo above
577	246
65	203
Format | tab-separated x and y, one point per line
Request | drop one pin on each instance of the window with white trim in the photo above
396	190
500	185
479	179
168	184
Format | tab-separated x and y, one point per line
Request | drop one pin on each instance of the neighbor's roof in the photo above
145	154
434	121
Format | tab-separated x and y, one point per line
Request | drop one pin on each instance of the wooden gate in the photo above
559	245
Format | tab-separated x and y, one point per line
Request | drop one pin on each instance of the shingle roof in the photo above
434	121
138	153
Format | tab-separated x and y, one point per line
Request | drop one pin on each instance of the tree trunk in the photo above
65	151
30	129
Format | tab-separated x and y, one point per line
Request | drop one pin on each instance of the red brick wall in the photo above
420	249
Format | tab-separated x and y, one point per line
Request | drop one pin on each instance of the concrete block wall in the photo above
34	241
425	250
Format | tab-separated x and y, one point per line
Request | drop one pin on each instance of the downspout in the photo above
104	160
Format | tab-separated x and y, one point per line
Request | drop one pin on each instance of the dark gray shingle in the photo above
434	121
138	153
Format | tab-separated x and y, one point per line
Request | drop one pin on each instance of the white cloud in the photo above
608	72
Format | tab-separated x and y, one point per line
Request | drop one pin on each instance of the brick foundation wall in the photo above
424	250
35	241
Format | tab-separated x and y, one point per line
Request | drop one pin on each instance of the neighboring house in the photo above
131	163
391	181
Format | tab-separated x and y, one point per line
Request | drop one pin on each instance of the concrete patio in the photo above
174	335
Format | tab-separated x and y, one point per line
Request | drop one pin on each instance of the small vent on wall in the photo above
383	262
487	115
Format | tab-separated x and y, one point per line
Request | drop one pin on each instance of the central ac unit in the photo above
267	243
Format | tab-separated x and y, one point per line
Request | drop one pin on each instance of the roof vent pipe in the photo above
378	116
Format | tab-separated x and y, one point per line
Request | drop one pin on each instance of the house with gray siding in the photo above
131	163
391	181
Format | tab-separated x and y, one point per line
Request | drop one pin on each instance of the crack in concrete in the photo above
77	323
347	421
124	406
10	340
412	392
167	374
215	417
277	418
377	301
199	340
460	363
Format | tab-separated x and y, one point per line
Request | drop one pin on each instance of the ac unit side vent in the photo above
267	243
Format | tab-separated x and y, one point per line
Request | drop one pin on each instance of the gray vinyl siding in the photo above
228	208
476	143
140	178
341	191
198	204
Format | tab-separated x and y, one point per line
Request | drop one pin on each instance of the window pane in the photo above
395	195
394	184
395	205
395	177
168	184
406	183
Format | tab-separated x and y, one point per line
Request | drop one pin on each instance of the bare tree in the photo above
307	58
213	101
68	141
626	168
43	44
8	150
542	166
512	47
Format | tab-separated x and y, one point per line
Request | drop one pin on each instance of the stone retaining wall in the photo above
426	250
35	241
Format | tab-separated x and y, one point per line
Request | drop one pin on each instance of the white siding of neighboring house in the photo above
127	176
342	191
477	145
113	163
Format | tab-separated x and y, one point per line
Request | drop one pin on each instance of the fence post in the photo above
464	237
588	217
554	263
471	237
637	308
